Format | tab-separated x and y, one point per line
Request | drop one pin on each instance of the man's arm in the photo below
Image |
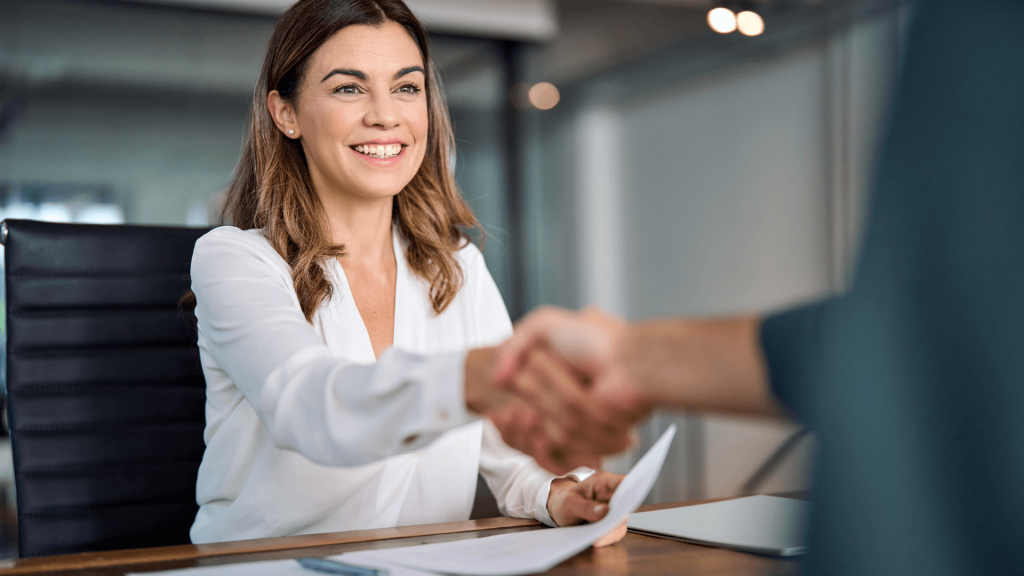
700	365
703	365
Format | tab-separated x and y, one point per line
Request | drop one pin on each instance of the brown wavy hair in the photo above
271	187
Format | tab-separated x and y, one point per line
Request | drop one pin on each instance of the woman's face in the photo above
361	112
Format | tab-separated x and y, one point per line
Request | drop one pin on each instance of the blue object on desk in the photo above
334	567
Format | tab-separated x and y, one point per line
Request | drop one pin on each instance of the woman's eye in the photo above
409	89
347	89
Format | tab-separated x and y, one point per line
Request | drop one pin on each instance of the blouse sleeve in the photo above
332	411
518	483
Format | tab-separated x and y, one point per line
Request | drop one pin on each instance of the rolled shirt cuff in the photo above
541	505
450	399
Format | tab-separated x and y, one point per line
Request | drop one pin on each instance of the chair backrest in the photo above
105	390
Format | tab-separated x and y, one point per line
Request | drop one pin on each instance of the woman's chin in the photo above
380	185
373	195
370	188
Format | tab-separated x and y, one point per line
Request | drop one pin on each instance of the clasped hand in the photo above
572	400
559	391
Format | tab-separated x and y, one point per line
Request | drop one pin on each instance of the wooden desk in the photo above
635	554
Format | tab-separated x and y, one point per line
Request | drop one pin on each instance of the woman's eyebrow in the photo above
408	70
361	75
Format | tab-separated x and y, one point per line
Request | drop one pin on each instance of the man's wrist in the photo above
713	364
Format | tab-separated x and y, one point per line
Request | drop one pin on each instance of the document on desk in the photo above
502	555
273	568
759	524
526	552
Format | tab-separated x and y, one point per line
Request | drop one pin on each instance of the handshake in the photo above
568	387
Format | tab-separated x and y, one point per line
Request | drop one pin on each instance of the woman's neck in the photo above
370	262
363	227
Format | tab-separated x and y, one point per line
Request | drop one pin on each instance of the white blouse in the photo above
307	432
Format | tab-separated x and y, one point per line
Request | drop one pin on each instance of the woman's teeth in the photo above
379	151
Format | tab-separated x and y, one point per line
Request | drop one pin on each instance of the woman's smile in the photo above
384	153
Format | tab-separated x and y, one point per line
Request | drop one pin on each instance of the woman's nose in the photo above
381	112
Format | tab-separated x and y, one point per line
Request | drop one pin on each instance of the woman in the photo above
334	318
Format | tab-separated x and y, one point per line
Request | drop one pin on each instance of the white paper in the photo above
502	555
272	568
761	524
526	552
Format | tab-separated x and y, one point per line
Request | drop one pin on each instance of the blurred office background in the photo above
663	169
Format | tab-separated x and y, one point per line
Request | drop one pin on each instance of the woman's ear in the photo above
283	114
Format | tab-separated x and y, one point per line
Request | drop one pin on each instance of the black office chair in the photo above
104	386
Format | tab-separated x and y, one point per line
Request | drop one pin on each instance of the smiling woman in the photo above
378	113
361	74
344	317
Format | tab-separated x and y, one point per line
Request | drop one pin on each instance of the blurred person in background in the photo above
335	314
913	381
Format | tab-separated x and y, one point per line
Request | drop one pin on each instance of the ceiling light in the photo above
544	96
749	23
722	20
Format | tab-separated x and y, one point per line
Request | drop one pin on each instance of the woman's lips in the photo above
383	155
379	149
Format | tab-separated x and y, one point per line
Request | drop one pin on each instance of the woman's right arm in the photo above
330	410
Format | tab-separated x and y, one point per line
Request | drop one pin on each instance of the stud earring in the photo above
291	131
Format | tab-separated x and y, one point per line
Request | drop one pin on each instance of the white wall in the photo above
724	202
738	190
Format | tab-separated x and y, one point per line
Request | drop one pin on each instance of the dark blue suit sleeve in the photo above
792	344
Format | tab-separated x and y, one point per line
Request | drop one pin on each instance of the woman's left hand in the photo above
571	502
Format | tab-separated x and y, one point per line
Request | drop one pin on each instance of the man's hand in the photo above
587	340
582	380
571	502
543	379
576	400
